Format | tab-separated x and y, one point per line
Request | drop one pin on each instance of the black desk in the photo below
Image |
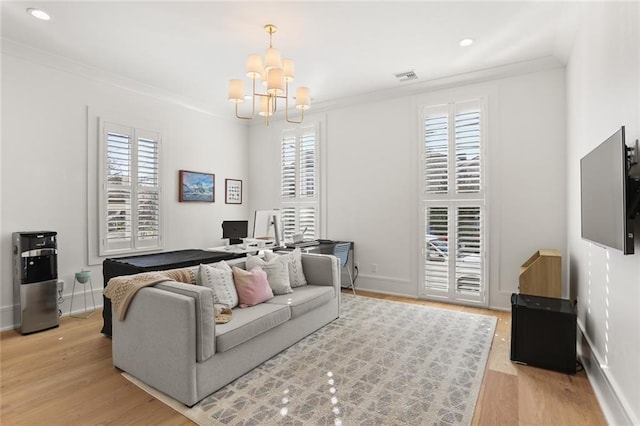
153	262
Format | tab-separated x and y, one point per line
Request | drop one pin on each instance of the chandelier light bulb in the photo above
272	59
254	66
288	70
236	91
303	98
274	81
266	106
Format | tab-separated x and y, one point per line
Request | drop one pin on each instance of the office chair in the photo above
341	251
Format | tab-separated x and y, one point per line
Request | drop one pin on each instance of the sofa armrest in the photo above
321	269
205	315
157	342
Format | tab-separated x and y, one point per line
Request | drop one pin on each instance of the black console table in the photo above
153	262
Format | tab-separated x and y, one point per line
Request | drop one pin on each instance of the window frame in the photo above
134	244
452	200
299	202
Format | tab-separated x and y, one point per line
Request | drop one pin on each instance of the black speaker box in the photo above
543	332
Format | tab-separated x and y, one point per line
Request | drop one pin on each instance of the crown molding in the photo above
445	82
41	57
440	83
12	48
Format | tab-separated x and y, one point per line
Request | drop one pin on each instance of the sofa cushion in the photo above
248	323
304	299
252	286
277	270
294	260
218	277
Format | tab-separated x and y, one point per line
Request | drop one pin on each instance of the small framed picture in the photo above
233	191
196	186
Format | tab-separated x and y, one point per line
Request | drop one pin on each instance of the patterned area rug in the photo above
380	363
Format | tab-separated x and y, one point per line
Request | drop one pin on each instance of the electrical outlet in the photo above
374	268
60	287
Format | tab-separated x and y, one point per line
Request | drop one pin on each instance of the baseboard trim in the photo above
6	312
380	284
615	408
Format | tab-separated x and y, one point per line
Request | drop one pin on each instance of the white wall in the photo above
371	180
603	93
44	161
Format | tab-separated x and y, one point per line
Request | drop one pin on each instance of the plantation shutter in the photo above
130	201
467	150
436	248
299	182
119	190
469	249
148	194
453	202
289	222
307	165
288	165
436	153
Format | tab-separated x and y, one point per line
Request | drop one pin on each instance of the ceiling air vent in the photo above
406	76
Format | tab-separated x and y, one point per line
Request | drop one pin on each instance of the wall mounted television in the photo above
609	194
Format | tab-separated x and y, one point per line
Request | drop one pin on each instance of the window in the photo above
453	202
129	199
299	196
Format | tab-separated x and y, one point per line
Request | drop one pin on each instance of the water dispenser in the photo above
35	280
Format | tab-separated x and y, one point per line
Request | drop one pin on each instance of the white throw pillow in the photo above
296	274
277	270
219	278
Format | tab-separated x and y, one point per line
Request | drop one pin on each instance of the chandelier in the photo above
276	74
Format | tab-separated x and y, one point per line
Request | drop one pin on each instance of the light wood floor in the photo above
64	376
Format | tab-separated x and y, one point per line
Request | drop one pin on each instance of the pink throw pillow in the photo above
252	286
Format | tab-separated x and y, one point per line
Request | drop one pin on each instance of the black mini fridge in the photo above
35	280
543	332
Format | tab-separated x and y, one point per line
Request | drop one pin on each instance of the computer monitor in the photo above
267	225
235	230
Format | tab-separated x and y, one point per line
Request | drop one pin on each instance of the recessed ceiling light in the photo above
466	42
40	14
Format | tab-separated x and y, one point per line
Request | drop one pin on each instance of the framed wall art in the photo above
233	191
196	186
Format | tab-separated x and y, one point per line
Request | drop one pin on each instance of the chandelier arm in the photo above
253	104
286	116
267	115
286	107
253	97
241	117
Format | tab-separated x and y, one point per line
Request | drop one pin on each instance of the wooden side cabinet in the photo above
541	274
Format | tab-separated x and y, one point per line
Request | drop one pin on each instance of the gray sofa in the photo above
169	339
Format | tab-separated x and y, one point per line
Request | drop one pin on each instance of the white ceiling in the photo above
341	49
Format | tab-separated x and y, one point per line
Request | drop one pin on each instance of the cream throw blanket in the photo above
122	289
222	313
